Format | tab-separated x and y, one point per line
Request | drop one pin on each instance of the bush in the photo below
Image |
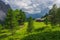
44	36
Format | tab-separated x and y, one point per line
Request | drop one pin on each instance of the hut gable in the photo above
39	20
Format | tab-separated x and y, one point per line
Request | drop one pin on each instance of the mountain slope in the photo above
3	9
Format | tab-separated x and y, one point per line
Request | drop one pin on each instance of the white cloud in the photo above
57	2
32	6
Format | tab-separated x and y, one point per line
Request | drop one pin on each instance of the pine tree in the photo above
22	17
52	14
58	16
46	19
10	21
1	27
30	25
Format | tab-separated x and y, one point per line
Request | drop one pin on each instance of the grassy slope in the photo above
39	30
39	27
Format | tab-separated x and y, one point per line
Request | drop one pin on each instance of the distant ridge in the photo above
38	15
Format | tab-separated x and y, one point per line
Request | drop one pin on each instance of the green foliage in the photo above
21	17
41	33
30	25
46	19
53	17
10	21
1	27
16	17
44	36
58	16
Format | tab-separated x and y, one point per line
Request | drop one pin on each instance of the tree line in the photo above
14	19
53	16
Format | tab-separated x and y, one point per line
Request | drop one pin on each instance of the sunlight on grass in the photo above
39	27
22	29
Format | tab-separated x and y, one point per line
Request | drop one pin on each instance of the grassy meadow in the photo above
40	32
27	20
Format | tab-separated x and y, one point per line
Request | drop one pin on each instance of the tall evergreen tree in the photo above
10	21
22	17
58	16
1	27
30	25
52	14
46	19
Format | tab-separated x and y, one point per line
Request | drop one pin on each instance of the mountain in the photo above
3	9
38	15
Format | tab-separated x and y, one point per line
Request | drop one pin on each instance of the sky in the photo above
32	6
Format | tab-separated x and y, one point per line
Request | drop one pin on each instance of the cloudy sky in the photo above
32	6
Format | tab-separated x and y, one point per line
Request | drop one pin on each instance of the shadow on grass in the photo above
4	36
40	29
44	36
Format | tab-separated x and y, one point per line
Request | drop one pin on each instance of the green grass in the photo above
39	30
